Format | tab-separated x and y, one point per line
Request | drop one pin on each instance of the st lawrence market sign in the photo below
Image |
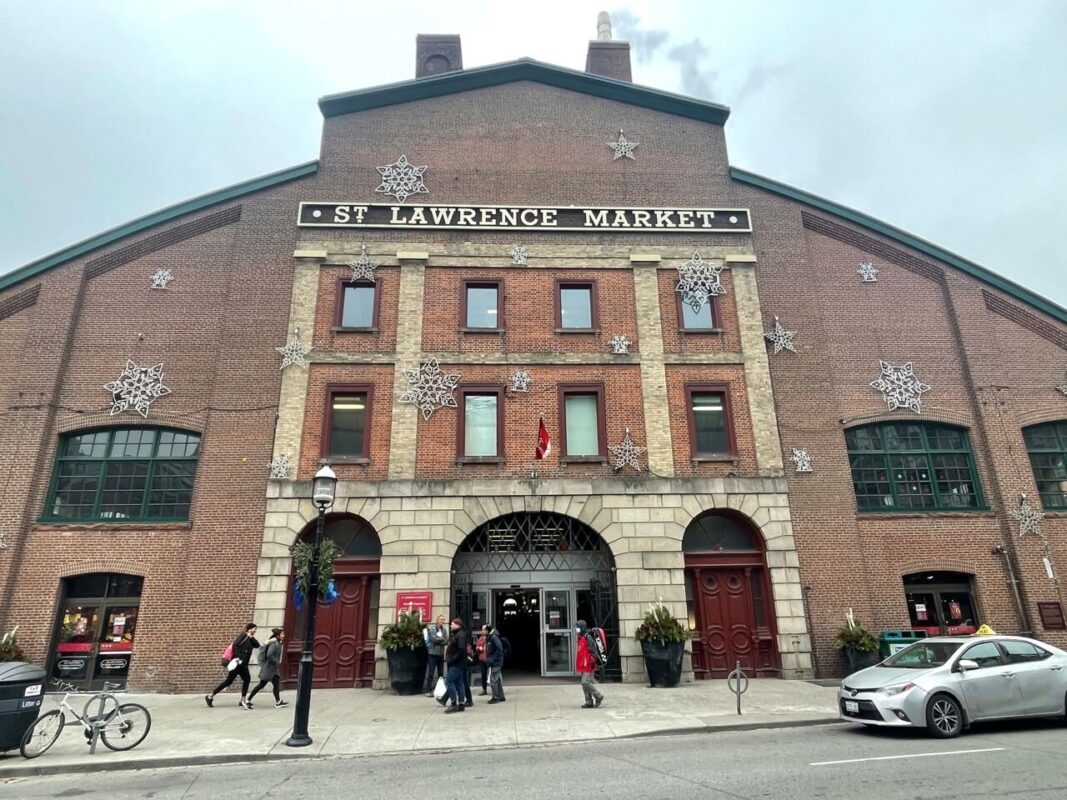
523	218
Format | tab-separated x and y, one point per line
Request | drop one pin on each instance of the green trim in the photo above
525	69
1032	299
111	236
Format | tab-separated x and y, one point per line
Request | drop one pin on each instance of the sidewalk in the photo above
362	722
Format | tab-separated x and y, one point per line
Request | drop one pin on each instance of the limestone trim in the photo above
403	435
292	398
548	359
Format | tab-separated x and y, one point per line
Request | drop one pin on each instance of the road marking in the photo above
910	755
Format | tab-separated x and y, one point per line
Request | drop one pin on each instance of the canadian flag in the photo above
544	441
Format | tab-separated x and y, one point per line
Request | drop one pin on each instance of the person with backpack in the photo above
236	660
587	664
494	659
270	657
435	636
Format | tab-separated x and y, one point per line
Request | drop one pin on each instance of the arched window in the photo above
124	475
901	466
1047	446
354	537
717	533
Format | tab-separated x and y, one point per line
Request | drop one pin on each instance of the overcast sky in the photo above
947	119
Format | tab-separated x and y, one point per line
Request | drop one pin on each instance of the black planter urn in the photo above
860	659
407	669
663	662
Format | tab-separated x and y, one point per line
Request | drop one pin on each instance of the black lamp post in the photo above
322	493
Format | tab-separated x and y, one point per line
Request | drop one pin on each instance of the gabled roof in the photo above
525	69
155	218
1021	293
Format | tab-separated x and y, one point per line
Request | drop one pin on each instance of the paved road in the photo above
827	763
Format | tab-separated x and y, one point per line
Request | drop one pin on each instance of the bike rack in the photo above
738	683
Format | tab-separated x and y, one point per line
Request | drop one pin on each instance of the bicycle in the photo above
120	726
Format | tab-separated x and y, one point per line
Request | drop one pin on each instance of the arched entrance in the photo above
534	575
345	631
728	596
94	632
941	603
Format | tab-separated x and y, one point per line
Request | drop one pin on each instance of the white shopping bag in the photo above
439	690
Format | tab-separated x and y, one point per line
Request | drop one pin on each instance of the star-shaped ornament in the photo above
161	278
294	351
699	281
1028	517
802	460
781	338
362	267
429	388
620	344
521	381
280	467
401	179
1062	388
136	388
900	388
867	272
626	453
519	255
623	147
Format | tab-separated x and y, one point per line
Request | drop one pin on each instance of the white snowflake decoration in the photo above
429	388
401	179
1062	389
293	352
900	388
623	147
802	459
698	281
280	467
620	345
3	542
362	267
521	381
136	388
1028	517
519	255
626	453
868	272
781	338
161	278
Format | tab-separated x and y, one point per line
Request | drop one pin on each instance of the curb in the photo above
165	762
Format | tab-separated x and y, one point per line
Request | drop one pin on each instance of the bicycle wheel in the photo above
42	734
127	727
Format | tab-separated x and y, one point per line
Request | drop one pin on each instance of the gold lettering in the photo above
595	219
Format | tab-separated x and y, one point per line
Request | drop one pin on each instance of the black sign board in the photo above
1052	616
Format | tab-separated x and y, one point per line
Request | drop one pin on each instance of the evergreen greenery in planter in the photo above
9	646
301	552
662	640
857	643
406	652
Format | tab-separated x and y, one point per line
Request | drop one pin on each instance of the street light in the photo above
322	494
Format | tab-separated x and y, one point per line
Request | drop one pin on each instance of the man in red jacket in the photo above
586	665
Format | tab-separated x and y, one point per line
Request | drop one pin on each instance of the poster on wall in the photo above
920	612
420	603
954	610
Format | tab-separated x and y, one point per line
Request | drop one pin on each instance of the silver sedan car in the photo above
945	683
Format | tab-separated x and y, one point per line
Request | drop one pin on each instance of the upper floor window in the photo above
576	306
348	409
899	466
480	423
703	319
583	419
1047	446
710	427
482	306
358	305
124	474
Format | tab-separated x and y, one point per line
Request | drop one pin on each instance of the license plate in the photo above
852	707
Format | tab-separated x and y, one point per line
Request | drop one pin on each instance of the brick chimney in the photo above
436	53
606	57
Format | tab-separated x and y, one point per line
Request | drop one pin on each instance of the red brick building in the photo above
473	251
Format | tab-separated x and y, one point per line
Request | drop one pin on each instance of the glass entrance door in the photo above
558	630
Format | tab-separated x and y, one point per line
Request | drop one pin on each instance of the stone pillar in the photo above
653	372
405	428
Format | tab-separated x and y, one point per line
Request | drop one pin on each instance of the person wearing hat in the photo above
586	665
456	659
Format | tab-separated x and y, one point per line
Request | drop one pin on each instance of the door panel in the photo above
992	690
728	626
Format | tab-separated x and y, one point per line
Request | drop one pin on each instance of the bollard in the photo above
734	681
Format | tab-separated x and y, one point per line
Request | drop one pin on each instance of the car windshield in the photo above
922	655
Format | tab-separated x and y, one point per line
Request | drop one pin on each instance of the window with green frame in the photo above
1046	445
904	466
123	475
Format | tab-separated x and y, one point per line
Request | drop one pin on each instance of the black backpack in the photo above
506	645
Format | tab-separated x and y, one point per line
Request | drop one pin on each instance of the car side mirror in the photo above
966	665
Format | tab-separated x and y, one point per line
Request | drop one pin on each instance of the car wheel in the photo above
944	717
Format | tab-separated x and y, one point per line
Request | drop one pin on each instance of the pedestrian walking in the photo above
240	654
483	642
435	636
586	665
494	658
456	658
270	658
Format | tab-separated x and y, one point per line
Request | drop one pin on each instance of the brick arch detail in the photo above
101	419
937	564
69	569
1050	413
930	414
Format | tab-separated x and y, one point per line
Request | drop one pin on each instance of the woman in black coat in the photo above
243	646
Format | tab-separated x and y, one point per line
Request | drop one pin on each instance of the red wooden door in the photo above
732	622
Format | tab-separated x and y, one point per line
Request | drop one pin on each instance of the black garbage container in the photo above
21	695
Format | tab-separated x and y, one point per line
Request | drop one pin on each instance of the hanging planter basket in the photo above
302	552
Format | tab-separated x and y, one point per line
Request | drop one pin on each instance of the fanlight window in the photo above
717	533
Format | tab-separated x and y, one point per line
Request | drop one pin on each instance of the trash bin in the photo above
892	641
21	695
